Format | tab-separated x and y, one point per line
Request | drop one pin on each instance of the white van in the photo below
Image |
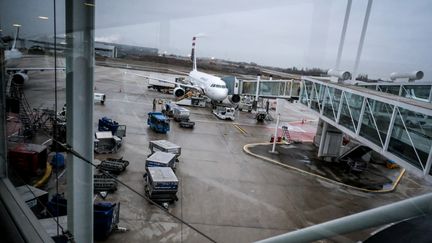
99	97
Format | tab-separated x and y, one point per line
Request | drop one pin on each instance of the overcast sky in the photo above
302	33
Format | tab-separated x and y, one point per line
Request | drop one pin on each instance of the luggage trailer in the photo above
161	159
164	146
161	184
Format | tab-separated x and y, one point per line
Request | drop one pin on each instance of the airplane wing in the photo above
23	69
179	72
169	81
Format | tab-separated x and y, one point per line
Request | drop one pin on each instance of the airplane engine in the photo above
234	98
416	75
344	75
179	92
19	78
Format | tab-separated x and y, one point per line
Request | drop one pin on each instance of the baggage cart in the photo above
161	159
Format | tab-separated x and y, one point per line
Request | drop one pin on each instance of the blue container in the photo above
104	219
58	160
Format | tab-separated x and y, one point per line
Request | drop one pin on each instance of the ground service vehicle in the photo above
158	122
105	142
99	97
224	112
161	184
161	159
107	124
164	146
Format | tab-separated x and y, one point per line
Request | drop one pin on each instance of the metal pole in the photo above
79	97
322	139
342	39
257	87
408	208
275	133
3	133
362	37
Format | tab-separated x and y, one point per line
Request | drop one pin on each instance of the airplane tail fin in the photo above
193	56
16	38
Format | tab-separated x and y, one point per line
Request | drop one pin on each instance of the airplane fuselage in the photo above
213	87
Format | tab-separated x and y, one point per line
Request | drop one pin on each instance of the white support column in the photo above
390	129
275	133
359	124
322	139
257	87
79	98
362	38
340	106
342	39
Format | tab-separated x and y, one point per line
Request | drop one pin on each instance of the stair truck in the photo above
161	184
158	122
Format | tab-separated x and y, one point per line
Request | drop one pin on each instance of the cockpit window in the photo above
218	86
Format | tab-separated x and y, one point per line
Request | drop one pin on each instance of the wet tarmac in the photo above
303	157
224	192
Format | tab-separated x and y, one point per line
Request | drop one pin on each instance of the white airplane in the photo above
19	75
13	53
209	85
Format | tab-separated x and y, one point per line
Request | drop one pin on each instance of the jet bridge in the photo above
399	128
285	89
421	91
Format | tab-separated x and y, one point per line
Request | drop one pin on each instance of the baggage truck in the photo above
158	122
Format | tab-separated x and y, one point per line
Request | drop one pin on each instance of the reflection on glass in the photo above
351	106
391	89
331	102
376	120
317	97
411	137
417	92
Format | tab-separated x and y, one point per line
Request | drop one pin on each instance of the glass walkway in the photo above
397	127
421	91
272	88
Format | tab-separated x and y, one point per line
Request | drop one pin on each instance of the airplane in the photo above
209	85
19	75
13	53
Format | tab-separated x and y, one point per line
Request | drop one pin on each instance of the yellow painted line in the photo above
45	177
240	129
246	149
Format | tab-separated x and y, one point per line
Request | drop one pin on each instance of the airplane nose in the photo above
223	95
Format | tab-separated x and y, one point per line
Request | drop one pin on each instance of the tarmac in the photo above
224	192
302	157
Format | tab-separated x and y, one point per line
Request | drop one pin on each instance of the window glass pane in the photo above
418	130
376	120
351	106
417	92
